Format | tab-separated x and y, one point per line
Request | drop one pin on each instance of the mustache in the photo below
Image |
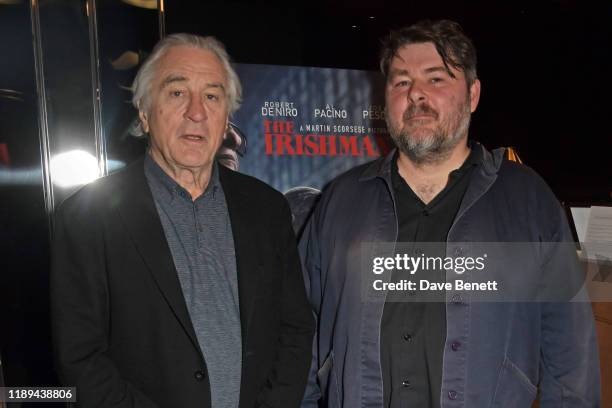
421	109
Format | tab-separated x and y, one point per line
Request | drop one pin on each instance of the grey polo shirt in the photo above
200	238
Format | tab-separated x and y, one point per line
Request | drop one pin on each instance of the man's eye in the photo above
401	83
212	97
436	80
176	93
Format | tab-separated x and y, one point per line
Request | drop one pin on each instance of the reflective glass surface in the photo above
25	346
127	31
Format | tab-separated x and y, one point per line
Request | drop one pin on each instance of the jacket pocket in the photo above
513	388
327	382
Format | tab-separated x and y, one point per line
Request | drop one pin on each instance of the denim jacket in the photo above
498	354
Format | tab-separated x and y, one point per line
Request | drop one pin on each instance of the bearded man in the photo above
401	349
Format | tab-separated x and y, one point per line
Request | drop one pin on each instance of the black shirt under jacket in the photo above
413	332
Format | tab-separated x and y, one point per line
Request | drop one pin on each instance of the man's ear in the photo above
474	95
227	128
144	120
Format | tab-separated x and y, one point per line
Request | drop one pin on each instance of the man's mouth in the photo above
193	138
420	117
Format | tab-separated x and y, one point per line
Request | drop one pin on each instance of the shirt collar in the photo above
169	187
474	159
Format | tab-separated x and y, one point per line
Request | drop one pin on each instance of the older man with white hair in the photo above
176	282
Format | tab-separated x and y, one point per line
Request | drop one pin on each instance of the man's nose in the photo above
417	93
196	112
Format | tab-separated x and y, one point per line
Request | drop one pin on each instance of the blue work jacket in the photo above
496	354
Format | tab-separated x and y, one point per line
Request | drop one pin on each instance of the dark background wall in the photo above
544	66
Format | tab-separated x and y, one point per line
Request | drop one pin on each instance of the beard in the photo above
425	145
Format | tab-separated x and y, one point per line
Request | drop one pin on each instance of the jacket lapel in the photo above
246	243
139	214
483	178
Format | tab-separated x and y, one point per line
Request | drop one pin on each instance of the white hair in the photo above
141	87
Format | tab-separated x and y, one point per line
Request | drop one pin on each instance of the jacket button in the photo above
457	299
199	375
406	384
455	345
407	337
452	395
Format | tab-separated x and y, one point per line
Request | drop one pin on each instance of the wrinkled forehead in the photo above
417	55
421	58
190	64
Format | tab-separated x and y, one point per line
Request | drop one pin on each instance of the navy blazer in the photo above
122	333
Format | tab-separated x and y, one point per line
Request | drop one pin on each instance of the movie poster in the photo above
303	126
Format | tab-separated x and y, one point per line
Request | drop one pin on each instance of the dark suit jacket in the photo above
122	333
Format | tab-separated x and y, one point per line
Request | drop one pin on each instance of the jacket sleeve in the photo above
285	384
569	368
310	254
80	317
